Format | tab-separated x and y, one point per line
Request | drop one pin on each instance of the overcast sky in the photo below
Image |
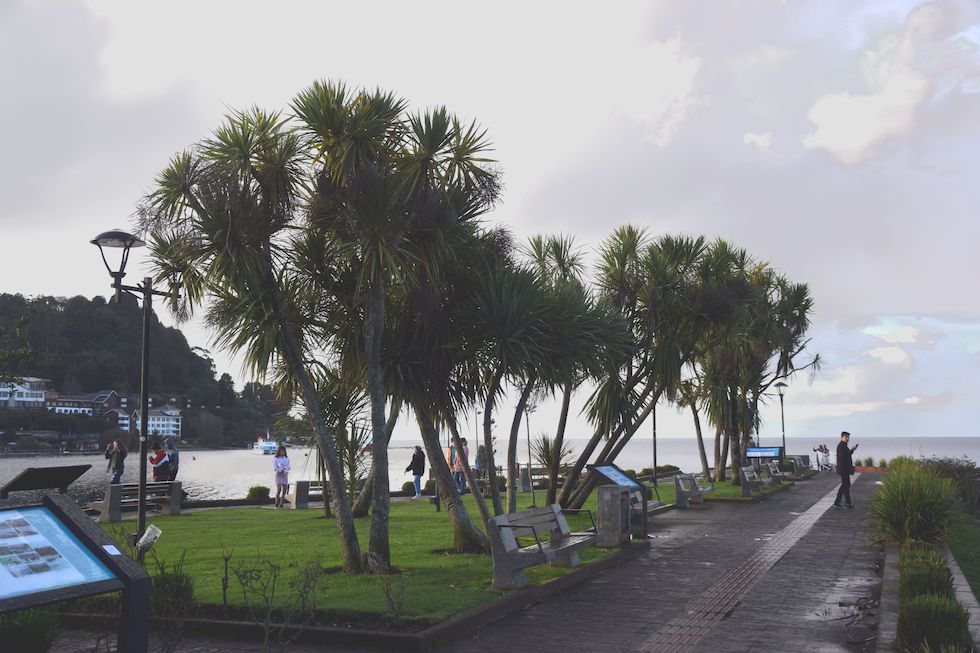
837	140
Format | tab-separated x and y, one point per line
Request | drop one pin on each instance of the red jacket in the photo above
161	465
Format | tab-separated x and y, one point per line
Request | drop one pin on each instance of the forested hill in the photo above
84	345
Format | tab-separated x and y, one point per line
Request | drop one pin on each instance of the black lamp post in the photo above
119	239
781	388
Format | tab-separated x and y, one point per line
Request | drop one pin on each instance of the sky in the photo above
836	140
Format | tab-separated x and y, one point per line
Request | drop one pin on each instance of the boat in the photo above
265	447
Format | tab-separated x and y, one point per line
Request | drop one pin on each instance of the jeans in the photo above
460	481
116	475
418	485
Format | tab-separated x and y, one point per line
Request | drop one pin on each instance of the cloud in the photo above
762	142
890	355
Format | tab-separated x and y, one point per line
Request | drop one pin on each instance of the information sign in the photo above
617	476
763	452
39	554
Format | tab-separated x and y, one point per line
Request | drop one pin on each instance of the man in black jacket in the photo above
845	467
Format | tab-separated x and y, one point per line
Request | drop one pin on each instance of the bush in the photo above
667	469
869	462
913	503
408	487
29	631
883	463
646	471
923	571
962	471
630	472
932	621
430	487
173	588
257	494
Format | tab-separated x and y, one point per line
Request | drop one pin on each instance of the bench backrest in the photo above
156	488
507	528
687	482
748	473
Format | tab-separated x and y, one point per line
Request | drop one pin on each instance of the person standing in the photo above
160	462
280	465
115	453
174	456
417	467
845	467
457	467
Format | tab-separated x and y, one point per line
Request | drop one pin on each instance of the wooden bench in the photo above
299	498
751	481
688	491
775	473
553	542
166	494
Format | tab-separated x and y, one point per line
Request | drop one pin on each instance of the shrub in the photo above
29	631
666	469
936	622
408	487
257	494
923	571
430	487
869	462
883	463
962	471
913	503
630	472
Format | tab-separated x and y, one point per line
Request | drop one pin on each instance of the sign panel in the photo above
38	553
763	452
617	476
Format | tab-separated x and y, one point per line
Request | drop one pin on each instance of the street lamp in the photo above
781	389
118	239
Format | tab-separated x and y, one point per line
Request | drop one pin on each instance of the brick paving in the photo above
787	573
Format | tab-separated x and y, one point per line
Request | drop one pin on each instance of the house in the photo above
161	422
28	392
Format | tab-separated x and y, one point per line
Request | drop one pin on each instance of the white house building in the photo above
28	393
161	422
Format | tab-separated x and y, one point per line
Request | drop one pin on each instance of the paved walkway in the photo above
788	573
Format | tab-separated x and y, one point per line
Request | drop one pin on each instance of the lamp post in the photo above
781	388
118	239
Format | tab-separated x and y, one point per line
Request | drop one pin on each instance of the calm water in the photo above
228	474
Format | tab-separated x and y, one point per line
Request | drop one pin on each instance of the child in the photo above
160	462
280	465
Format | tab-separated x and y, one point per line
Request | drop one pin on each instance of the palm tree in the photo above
216	220
385	185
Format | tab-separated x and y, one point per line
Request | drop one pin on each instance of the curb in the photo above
888	602
451	628
964	593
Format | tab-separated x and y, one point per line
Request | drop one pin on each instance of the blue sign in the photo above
763	452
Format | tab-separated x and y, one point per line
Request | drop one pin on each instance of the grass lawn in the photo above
437	584
964	540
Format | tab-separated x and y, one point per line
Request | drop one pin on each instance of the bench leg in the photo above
567	560
681	501
112	505
300	498
506	578
171	506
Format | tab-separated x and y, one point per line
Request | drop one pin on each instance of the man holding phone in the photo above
845	467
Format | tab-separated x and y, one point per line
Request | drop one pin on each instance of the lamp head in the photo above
781	388
117	239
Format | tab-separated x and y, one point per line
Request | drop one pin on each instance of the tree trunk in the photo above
705	471
554	470
374	324
735	441
481	503
350	549
515	431
467	538
571	480
363	502
498	507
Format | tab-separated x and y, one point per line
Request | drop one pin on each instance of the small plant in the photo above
923	571
913	503
29	631
869	462
408	487
257	494
171	601
932	621
430	487
883	463
392	586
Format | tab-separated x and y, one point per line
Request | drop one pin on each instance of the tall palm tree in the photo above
216	220
385	185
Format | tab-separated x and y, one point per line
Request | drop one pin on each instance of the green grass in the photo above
437	584
963	538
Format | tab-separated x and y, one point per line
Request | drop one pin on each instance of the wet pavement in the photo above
788	573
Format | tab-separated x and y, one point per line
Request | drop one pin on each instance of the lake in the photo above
227	474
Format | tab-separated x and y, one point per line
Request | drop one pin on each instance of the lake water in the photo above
227	474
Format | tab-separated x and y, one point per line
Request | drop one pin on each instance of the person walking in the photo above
115	453
280	465
417	467
458	459
845	467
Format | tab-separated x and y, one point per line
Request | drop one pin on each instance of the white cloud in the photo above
890	355
762	142
657	87
911	401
